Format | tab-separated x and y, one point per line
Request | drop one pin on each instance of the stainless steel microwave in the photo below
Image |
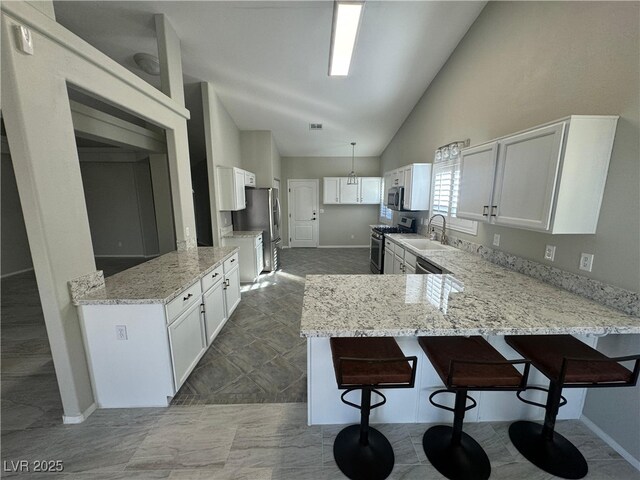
395	198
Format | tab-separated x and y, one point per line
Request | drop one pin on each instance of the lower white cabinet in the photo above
398	264
215	310
251	256
388	261
187	339
232	290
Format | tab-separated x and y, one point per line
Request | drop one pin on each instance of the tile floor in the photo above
253	442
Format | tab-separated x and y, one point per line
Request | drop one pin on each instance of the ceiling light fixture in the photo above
352	178
148	63
346	20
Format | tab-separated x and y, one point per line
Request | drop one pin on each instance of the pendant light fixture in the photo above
352	178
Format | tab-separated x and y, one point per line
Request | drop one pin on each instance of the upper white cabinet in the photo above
416	180
231	184
336	190
549	178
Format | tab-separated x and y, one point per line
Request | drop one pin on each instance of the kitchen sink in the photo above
425	244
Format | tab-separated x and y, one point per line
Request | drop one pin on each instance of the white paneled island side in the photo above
146	328
476	298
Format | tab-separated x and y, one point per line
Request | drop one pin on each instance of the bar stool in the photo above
362	363
463	364
567	363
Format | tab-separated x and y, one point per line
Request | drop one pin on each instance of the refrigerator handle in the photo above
279	214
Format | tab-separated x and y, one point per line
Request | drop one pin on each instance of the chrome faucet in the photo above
443	237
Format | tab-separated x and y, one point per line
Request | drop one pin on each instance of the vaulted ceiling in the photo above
269	61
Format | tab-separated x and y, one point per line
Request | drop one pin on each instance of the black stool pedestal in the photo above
371	461
462	460
552	453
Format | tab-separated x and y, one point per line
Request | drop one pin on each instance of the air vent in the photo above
315	126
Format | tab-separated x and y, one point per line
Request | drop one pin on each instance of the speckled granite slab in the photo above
159	280
479	298
243	234
80	286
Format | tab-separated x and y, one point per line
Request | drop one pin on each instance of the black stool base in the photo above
557	456
363	462
465	461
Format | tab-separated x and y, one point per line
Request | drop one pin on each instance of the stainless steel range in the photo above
376	250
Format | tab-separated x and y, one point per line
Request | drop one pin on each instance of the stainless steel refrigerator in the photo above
262	213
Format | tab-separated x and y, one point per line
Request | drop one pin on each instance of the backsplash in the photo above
615	297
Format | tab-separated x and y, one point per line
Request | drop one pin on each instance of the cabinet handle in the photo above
226	282
202	308
232	260
485	211
184	299
493	213
336	199
215	275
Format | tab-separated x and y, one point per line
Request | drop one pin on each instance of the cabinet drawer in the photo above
410	259
211	278
258	241
398	250
183	301
231	263
388	243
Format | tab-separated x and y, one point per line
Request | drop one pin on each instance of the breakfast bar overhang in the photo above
477	298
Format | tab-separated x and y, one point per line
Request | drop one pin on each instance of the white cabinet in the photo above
550	178
477	170
232	290
398	264
409	269
336	190
231	185
349	194
416	180
331	190
250	256
388	261
215	310
188	342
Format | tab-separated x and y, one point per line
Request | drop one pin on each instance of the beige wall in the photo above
255	151
15	253
525	63
338	223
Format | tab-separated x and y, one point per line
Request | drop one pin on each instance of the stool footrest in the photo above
444	407
355	405
563	400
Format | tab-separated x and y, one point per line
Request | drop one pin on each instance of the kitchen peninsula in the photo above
477	298
147	327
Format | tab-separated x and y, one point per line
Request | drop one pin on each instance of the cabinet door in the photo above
259	258
349	193
215	311
409	270
232	290
187	341
526	178
477	172
388	261
388	183
331	190
239	199
398	264
407	179
370	190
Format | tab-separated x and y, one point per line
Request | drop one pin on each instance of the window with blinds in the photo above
444	197
385	213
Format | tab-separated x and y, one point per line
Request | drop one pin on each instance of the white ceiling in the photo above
269	61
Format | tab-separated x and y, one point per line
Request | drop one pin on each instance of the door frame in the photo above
317	182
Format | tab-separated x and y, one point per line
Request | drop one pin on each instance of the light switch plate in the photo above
586	262
550	252
25	39
496	239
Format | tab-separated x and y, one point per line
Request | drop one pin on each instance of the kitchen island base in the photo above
412	405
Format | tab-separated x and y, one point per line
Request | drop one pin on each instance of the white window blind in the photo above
444	197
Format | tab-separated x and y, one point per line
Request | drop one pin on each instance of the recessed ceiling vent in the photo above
315	126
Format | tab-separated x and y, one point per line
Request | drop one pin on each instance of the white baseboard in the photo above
6	275
611	442
75	419
343	246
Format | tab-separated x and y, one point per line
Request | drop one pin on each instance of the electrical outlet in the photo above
121	332
586	262
25	39
187	232
550	252
496	239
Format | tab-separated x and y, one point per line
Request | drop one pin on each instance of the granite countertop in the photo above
243	234
478	298
159	280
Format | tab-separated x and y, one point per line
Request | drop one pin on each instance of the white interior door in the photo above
303	213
